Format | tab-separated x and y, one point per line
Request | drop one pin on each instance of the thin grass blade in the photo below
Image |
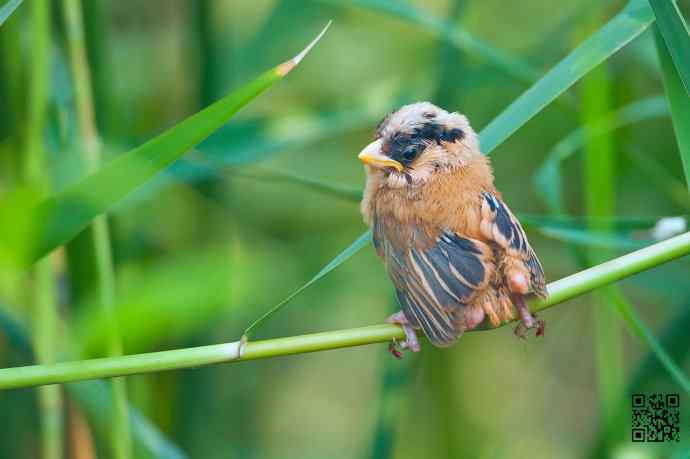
676	36
678	100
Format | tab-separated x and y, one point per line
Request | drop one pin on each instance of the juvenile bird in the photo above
455	252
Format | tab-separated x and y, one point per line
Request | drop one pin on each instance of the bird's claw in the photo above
522	328
411	341
393	349
541	325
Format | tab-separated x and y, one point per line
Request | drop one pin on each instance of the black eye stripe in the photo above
405	147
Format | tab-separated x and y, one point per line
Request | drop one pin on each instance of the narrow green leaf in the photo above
60	217
7	9
678	100
619	31
675	33
353	248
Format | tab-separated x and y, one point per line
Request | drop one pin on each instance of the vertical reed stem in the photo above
45	320
99	236
599	185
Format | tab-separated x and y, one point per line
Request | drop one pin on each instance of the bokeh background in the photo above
266	202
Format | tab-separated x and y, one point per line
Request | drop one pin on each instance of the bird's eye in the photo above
429	115
410	154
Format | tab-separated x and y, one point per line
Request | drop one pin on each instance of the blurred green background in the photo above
234	228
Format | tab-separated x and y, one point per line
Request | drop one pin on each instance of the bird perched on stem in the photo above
453	249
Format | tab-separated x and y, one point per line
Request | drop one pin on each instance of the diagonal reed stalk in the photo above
98	250
559	291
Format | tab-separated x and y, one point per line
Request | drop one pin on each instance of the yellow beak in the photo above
372	156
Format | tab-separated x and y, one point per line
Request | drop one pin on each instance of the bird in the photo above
456	254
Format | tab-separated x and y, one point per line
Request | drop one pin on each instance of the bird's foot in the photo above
411	341
528	320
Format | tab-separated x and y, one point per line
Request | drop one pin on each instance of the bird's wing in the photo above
499	225
434	276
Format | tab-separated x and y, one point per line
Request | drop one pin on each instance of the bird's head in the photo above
417	141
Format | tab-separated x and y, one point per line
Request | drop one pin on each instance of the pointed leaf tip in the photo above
284	68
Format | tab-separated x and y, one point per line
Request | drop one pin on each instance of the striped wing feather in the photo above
500	225
434	277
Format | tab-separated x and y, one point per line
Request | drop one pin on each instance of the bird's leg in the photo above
519	286
411	342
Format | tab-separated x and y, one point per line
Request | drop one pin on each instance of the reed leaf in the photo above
52	221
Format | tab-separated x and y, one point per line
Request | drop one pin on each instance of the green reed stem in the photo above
44	316
99	234
599	194
559	291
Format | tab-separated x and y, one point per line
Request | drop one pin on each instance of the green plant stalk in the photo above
599	194
678	100
203	31
44	317
97	35
559	291
44	335
98	233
